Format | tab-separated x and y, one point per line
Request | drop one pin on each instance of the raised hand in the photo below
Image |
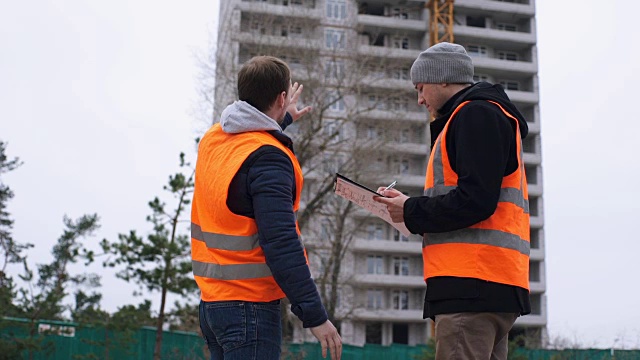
294	92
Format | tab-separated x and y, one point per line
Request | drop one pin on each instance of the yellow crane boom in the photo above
440	21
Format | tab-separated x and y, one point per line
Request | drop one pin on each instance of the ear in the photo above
282	99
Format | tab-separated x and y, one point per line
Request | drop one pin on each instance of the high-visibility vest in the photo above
495	249
228	262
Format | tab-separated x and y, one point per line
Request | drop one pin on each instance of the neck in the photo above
274	114
453	89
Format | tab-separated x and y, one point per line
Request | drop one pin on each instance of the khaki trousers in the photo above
473	336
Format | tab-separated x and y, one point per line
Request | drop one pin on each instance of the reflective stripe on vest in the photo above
224	242
502	239
230	272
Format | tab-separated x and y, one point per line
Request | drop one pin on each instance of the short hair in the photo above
261	80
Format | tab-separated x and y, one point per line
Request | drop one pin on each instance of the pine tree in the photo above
160	261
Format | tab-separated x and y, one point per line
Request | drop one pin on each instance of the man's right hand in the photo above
329	338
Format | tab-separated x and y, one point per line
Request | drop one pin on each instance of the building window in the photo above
334	69
322	260
400	42
375	231
404	136
336	101
257	28
399	104
507	27
332	162
400	333
477	50
295	32
325	230
401	266
375	265
378	165
376	102
403	167
372	132
336	9
373	333
400	237
401	300
476	21
374	299
399	13
510	84
480	77
508	55
334	39
401	74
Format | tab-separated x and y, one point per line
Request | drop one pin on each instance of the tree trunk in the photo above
158	347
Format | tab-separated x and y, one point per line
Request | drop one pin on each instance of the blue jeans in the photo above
241	330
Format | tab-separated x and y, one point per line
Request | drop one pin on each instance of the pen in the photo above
391	185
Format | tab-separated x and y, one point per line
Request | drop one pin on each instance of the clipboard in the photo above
363	197
346	179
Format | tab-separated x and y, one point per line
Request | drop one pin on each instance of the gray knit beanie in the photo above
443	63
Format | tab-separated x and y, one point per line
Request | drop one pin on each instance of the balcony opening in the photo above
529	144
378	40
508	55
534	271
401	333
510	84
536	304
534	235
373	333
477	50
477	21
532	174
507	27
533	206
371	9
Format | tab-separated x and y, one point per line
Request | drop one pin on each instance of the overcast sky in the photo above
97	99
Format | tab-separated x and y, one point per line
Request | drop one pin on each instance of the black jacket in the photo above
482	150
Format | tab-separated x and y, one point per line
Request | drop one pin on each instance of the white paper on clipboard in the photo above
363	197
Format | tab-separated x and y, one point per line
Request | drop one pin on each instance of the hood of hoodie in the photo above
486	91
241	117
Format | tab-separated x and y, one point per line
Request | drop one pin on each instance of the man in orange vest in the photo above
245	241
474	215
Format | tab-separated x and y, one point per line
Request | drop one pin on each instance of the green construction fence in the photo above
58	340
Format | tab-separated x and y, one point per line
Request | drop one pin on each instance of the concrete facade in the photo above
382	296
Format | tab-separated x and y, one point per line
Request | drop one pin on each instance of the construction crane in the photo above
440	21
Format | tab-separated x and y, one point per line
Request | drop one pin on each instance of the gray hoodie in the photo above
241	117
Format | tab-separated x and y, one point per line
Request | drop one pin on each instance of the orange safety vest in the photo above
228	262
495	249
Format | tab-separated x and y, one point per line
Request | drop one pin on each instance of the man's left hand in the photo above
395	203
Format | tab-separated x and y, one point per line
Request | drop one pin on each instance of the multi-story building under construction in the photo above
371	45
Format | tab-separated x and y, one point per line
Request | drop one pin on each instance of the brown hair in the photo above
262	79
